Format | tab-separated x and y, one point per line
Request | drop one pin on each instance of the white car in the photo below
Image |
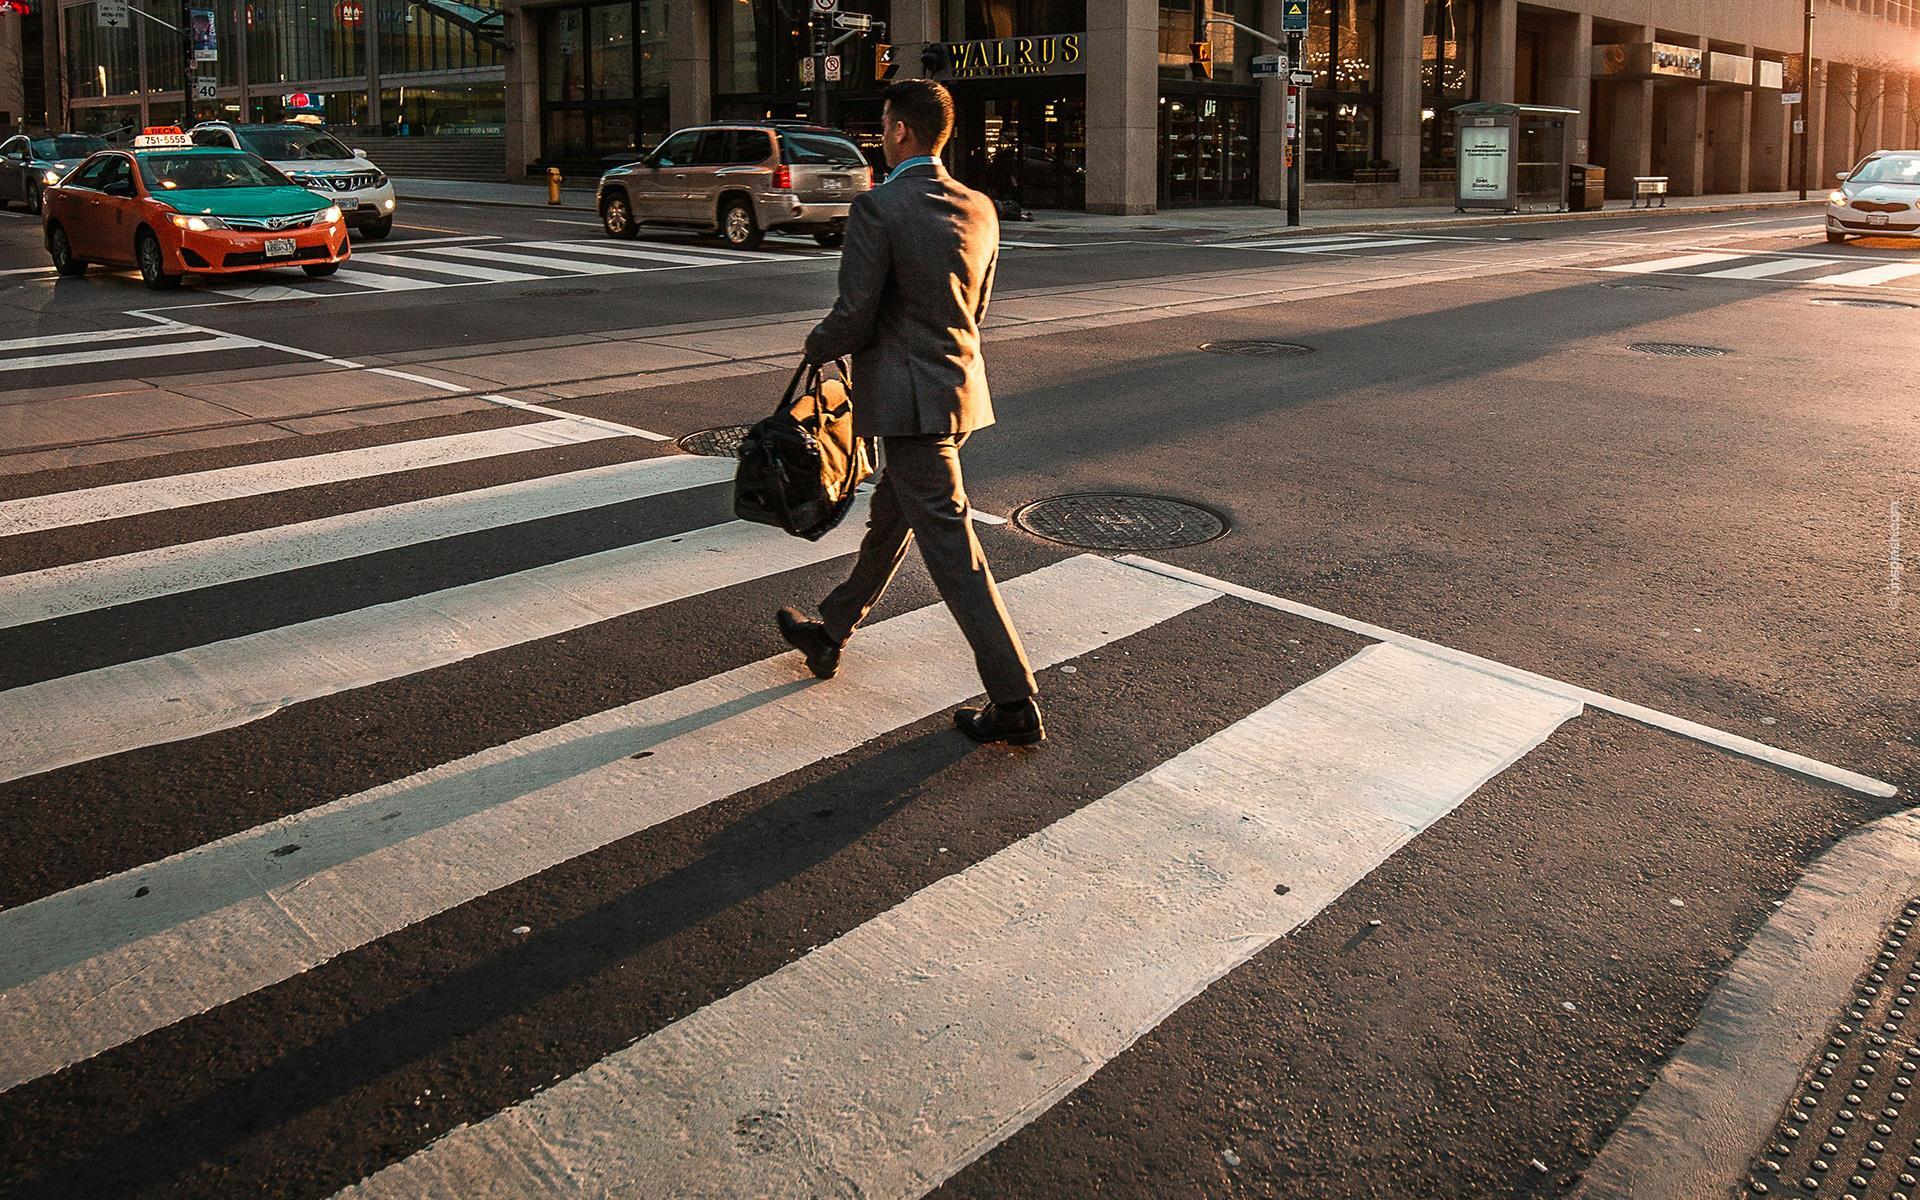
316	160
1878	198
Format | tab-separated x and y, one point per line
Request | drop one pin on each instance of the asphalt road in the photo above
285	563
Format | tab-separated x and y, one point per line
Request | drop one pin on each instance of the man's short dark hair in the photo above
923	106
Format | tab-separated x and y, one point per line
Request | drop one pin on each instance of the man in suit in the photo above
915	276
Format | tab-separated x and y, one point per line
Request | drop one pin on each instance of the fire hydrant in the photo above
553	185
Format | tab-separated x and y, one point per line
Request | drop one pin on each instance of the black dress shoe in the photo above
1014	724
811	639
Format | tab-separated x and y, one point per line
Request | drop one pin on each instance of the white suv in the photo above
314	159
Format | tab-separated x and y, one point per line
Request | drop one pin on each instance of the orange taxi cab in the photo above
171	209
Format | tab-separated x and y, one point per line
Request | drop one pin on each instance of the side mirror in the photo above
357	152
1843	176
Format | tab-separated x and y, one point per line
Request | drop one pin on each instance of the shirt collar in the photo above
924	160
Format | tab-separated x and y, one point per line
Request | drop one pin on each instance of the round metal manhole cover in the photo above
721	442
1678	350
558	293
1257	349
1861	302
1114	521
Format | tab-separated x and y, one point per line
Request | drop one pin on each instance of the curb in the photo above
1710	1110
564	206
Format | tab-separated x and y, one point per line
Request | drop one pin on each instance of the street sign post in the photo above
111	14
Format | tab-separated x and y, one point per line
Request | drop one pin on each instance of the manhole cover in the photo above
1110	521
1851	1127
1858	302
1677	350
1642	287
1258	349
559	293
721	442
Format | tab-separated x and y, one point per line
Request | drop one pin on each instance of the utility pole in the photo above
1806	95
820	37
187	65
1296	128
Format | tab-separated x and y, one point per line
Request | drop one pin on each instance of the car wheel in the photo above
376	229
153	264
832	239
36	200
62	252
1835	238
316	270
616	218
739	227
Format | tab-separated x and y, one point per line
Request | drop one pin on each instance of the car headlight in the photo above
389	205
51	178
196	224
331	214
1839	198
379	179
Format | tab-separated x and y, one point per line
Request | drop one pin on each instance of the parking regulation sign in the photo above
826	6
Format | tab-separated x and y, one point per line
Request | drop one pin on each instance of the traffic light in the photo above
883	64
1203	60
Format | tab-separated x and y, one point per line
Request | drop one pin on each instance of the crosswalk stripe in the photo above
190	693
1328	245
681	258
1678	263
71	588
882	1063
387	283
1265	243
575	265
30	514
87	969
1872	276
1766	269
122	353
420	262
89	338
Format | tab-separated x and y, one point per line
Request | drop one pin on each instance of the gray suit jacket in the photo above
915	277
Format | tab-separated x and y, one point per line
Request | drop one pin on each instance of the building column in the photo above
1769	162
1894	129
522	124
1399	74
1272	155
1499	46
689	63
914	23
1123	107
1569	78
1630	130
1685	159
1837	151
13	74
1730	136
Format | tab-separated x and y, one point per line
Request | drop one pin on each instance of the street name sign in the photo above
1293	16
1269	66
1790	97
111	14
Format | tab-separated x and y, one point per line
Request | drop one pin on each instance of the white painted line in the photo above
419	262
88	338
884	1062
1733	743
1766	270
395	247
28	271
74	358
190	693
1871	276
426	380
62	591
1375	245
558	221
562	414
29	514
1678	263
683	258
1268	243
92	968
575	266
388	283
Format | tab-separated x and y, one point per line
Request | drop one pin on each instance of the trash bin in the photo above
1586	187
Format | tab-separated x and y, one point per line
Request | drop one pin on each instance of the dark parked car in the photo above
29	165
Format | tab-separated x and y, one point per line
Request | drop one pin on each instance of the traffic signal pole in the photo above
820	68
1806	95
186	62
1295	161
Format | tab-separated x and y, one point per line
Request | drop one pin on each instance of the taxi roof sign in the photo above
161	135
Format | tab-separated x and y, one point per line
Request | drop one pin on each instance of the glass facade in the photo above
1449	74
758	48
603	80
1343	51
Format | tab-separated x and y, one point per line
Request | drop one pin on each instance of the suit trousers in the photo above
921	494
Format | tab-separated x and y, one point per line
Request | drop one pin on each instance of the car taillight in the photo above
873	179
783	178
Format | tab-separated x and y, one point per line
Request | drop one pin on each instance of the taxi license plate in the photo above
1876	218
279	247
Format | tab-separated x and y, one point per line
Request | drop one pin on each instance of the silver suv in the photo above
741	180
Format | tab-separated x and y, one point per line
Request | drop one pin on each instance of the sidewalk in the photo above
1242	221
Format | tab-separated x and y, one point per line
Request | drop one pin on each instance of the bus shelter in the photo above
1512	157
